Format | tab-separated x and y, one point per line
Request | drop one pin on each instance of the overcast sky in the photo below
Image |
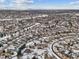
39	4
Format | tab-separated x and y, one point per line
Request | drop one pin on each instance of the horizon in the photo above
39	9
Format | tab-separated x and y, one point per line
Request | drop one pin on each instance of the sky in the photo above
39	4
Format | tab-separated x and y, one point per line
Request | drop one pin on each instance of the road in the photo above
53	52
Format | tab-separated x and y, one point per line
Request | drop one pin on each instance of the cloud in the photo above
1	1
21	4
15	4
2	4
22	1
75	2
